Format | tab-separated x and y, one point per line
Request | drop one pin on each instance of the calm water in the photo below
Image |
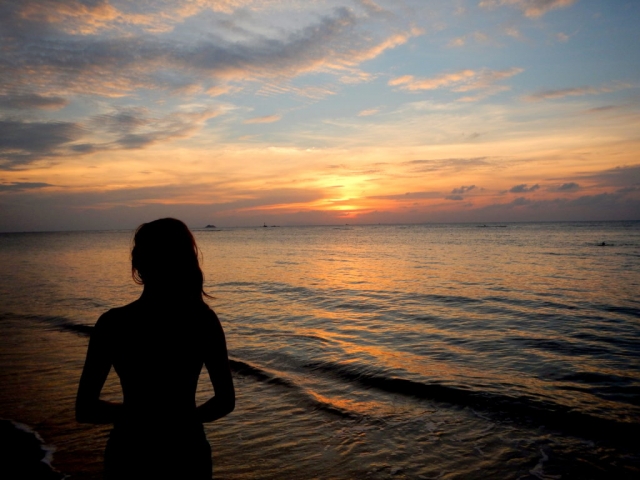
432	351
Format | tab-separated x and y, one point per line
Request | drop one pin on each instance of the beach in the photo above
446	351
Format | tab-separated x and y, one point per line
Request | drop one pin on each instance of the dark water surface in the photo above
431	351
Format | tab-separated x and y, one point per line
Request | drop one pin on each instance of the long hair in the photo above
165	258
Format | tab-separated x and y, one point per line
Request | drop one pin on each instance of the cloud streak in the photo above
523	188
20	186
264	119
552	94
461	81
22	143
530	8
28	101
463	189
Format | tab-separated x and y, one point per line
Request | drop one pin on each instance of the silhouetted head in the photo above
164	259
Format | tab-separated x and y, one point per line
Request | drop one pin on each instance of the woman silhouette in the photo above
157	346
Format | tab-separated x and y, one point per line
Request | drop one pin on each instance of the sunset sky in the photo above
291	112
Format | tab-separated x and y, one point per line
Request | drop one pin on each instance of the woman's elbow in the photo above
87	410
83	415
229	403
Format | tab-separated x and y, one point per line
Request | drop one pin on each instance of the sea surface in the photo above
459	351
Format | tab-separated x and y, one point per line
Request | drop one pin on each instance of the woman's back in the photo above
158	349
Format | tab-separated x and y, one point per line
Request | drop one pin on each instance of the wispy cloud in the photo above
22	143
622	176
117	65
524	188
568	187
25	101
20	186
368	112
452	164
136	128
408	196
462	189
551	94
264	119
409	82
460	81
530	8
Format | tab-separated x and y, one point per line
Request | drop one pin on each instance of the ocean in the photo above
461	351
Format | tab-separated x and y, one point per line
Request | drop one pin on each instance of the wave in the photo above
24	451
373	300
243	368
508	406
238	367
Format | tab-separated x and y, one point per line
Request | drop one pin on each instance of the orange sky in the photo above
242	112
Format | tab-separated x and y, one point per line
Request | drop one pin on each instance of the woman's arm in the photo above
217	362
89	407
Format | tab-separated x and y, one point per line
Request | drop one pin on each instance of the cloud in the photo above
562	92
114	65
122	120
551	94
604	108
84	147
609	206
158	194
90	17
530	8
463	189
32	100
568	187
409	82
622	176
524	188
22	143
218	90
626	190
20	186
454	164
356	76
133	128
368	112
265	119
454	197
408	196
461	81
371	7
312	92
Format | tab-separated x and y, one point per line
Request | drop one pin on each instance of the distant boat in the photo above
210	226
265	225
492	226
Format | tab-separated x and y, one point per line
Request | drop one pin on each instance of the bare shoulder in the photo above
210	320
114	317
